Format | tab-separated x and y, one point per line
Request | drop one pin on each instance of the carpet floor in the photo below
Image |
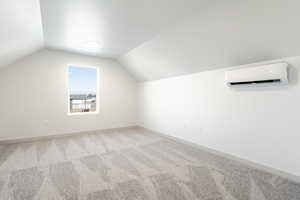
130	164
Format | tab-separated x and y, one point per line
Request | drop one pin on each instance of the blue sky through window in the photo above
82	80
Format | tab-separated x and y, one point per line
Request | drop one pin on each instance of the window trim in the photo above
97	90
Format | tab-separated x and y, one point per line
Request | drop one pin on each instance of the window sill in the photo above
83	113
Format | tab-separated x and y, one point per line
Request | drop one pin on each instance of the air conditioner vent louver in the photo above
255	82
272	73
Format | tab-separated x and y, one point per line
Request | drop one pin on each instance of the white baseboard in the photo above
246	162
52	136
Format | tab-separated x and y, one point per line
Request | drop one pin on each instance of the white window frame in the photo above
97	90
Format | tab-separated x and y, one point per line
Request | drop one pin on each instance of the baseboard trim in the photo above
255	165
53	136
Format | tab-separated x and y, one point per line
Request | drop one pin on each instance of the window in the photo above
83	90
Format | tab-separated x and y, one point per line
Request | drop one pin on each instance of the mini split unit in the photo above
271	73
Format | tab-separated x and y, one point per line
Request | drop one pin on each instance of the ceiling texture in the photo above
104	28
153	39
116	25
224	34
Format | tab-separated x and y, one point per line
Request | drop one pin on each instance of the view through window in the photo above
82	89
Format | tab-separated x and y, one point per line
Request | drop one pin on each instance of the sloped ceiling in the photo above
154	39
226	33
116	25
21	30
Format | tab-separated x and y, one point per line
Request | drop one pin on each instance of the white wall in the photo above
34	96
258	124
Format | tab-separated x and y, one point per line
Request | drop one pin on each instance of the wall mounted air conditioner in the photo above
270	73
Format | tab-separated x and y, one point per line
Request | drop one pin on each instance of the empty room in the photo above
149	100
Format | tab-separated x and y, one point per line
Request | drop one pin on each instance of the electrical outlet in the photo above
46	123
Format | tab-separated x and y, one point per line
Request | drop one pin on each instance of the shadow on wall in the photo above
292	76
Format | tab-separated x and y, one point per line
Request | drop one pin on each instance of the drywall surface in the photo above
119	26
260	124
220	34
21	31
34	96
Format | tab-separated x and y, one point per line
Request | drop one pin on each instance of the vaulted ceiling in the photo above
105	28
117	25
153	39
224	34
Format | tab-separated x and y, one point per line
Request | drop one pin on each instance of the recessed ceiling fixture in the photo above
92	46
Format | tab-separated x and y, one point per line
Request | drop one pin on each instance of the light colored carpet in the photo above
131	164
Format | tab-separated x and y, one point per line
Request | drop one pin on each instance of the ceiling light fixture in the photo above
92	46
